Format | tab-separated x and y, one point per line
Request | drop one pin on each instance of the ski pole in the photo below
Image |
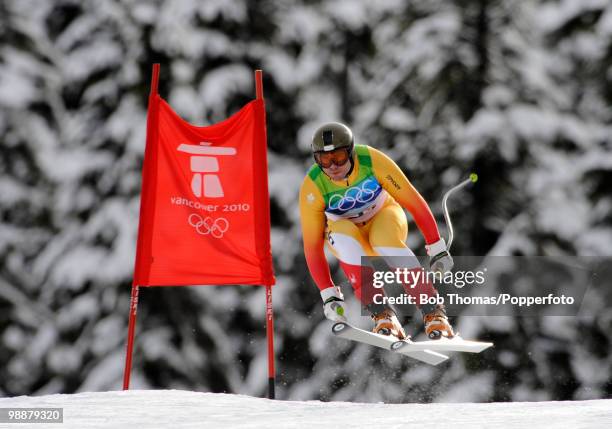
472	179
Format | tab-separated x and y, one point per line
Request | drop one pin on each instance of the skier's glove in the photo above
439	258
333	304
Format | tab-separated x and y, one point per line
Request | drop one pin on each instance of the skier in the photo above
351	200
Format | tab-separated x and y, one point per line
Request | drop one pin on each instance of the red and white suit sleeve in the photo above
312	213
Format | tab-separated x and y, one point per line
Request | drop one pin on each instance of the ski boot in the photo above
437	325
386	323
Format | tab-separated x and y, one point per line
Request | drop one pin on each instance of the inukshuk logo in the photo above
205	182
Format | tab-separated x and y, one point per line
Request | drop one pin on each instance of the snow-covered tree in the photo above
517	91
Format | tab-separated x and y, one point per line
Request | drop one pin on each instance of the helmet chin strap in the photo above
352	161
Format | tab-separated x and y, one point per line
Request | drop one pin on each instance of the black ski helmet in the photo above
331	136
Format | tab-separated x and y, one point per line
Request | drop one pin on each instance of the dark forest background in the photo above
518	91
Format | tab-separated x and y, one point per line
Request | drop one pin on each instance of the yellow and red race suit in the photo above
361	215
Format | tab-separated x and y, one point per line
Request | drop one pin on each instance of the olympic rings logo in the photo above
357	194
215	227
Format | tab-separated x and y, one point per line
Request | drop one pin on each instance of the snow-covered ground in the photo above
181	409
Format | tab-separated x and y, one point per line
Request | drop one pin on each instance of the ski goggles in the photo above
337	156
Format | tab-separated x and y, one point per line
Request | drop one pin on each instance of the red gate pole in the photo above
270	336
130	341
151	128
269	310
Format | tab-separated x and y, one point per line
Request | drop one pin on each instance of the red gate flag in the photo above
204	213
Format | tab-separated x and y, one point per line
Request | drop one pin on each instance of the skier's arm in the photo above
312	214
399	187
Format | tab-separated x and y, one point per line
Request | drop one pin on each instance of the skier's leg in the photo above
348	243
387	237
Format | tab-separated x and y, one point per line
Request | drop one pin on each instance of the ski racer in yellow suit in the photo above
351	200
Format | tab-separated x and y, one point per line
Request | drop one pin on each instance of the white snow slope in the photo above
181	409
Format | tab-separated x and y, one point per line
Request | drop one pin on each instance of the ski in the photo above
455	344
424	351
349	332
